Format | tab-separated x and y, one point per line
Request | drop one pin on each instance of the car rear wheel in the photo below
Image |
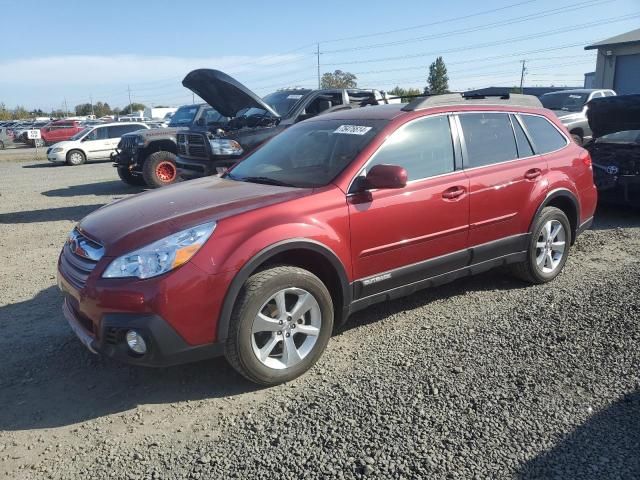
548	247
76	157
129	178
160	169
281	324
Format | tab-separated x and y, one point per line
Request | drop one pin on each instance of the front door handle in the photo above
453	193
533	174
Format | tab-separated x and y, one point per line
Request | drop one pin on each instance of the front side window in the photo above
308	154
97	134
489	139
544	135
424	148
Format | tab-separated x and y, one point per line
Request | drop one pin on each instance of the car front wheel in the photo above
76	157
281	324
548	247
159	169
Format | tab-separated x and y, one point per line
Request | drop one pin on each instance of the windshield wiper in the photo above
265	180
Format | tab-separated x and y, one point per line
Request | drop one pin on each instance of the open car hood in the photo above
614	114
222	92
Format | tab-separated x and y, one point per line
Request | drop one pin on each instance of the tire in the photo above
160	169
130	179
281	363
532	270
577	138
76	157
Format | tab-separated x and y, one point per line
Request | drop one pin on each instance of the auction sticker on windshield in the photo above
352	129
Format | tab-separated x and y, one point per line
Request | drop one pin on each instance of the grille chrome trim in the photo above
83	247
192	145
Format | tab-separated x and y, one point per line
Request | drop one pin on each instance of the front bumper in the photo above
194	168
617	189
58	157
164	346
177	314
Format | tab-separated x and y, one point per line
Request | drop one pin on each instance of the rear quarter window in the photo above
543	133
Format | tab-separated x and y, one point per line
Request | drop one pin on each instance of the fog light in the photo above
136	342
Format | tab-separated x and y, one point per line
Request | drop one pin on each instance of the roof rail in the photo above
515	99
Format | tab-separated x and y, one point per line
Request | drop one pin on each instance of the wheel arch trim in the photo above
263	256
559	193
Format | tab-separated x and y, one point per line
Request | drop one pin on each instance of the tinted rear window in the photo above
545	136
488	137
524	147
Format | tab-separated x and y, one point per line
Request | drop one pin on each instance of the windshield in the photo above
309	154
283	102
571	102
80	134
627	136
183	116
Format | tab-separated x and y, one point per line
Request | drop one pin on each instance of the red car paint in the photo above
367	235
59	131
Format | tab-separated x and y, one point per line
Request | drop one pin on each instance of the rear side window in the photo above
524	147
488	137
423	147
544	135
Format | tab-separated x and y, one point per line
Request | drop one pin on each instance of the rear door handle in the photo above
533	174
453	193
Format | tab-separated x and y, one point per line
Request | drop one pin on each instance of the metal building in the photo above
618	63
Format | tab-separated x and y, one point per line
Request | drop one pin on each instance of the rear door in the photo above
504	175
400	236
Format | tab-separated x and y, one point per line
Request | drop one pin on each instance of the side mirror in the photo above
387	176
201	122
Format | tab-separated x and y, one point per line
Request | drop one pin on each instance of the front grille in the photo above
191	145
79	257
128	142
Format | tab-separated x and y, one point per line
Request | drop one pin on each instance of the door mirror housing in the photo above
387	176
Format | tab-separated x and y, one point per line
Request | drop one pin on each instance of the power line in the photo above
525	18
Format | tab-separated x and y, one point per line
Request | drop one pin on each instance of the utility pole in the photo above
524	69
66	109
318	62
91	100
130	107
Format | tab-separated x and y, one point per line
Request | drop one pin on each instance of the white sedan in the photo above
92	143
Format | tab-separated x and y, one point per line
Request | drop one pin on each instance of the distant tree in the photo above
5	114
83	109
405	93
101	109
438	80
20	112
132	107
338	79
58	114
116	110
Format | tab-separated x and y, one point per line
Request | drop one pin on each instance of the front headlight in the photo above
161	256
221	146
57	150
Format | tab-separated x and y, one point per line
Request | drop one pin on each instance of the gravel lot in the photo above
481	379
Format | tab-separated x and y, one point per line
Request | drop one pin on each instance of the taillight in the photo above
587	160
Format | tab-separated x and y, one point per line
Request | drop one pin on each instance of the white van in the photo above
92	143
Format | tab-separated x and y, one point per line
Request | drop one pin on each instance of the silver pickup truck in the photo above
571	108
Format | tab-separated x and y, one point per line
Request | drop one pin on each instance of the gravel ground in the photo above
484	378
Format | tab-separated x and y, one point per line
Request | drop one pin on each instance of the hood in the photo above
222	92
64	144
136	221
158	132
614	114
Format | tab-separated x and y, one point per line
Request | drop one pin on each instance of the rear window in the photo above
488	137
545	136
524	147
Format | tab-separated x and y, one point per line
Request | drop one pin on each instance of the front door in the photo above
401	236
96	143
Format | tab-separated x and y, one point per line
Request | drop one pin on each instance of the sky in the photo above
78	51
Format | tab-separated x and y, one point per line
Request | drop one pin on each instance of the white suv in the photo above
92	143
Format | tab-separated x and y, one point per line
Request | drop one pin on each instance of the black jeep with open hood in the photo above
615	148
253	120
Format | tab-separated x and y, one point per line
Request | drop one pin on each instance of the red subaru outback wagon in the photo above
332	215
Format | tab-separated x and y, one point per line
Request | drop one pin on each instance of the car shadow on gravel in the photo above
607	446
608	217
73	213
111	187
44	163
48	379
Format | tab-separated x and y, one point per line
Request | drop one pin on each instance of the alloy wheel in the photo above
286	328
550	246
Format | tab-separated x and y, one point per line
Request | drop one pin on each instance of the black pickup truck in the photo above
148	157
252	120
